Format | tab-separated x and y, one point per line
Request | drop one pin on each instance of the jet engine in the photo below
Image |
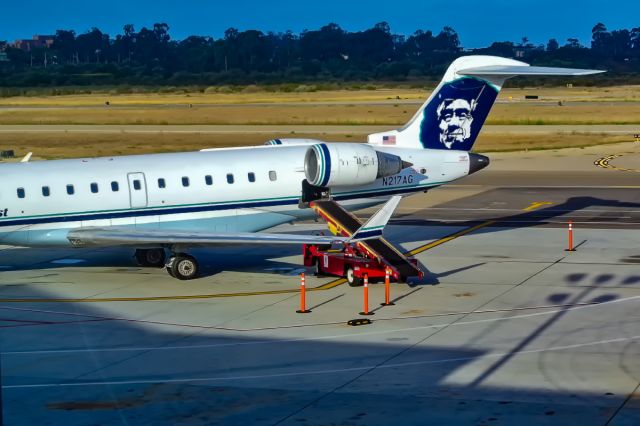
348	164
292	141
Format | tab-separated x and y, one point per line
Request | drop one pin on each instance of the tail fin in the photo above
456	110
373	227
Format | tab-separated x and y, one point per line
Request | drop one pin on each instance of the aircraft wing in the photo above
122	236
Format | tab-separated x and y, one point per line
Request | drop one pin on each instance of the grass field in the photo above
252	94
389	107
518	113
615	105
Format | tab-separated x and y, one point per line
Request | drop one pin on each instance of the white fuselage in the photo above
225	190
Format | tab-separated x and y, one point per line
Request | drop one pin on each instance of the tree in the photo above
126	45
600	37
91	45
635	39
64	43
150	56
619	44
573	43
448	40
552	45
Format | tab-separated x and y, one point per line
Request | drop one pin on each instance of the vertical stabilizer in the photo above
453	115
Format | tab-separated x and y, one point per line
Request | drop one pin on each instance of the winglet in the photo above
26	158
373	227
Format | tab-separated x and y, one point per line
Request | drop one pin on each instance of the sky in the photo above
478	23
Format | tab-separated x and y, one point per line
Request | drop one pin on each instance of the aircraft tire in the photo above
168	269
184	267
352	280
151	257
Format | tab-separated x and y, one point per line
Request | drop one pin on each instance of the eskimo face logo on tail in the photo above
455	118
452	120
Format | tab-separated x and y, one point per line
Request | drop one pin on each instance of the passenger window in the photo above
161	183
229	178
252	177
185	181
70	189
94	188
272	175
114	186
45	191
208	180
20	192
136	185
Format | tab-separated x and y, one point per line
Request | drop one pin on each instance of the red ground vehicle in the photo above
351	263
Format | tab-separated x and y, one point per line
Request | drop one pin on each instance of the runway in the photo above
506	328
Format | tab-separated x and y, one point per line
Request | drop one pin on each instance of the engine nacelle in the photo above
293	141
348	164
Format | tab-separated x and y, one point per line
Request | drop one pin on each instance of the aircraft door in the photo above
137	190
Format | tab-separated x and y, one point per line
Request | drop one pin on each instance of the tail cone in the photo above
477	162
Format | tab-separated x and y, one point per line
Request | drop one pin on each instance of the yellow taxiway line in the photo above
604	162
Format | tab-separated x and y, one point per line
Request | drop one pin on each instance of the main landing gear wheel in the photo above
352	280
151	257
183	267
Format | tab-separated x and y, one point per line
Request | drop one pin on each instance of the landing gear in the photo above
352	280
151	257
182	267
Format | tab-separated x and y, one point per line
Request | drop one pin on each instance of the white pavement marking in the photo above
315	372
306	339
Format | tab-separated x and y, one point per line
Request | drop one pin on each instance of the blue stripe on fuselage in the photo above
327	165
194	209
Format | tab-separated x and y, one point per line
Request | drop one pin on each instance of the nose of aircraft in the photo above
477	162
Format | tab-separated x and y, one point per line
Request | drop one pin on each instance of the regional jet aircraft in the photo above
175	202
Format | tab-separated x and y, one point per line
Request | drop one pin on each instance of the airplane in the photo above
179	201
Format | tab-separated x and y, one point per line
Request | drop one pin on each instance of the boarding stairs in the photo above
341	222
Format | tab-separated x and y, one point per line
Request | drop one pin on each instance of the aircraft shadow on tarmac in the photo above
530	218
260	380
212	260
265	259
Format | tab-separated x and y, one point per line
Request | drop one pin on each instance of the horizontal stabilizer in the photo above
376	223
513	70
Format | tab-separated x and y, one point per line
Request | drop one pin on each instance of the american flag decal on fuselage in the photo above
388	140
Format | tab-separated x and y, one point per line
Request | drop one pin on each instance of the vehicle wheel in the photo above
352	280
318	269
151	257
183	267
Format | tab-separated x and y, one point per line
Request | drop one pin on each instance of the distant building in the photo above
4	57
37	42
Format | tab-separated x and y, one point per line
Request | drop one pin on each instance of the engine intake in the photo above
348	164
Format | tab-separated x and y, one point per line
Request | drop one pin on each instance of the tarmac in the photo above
507	327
